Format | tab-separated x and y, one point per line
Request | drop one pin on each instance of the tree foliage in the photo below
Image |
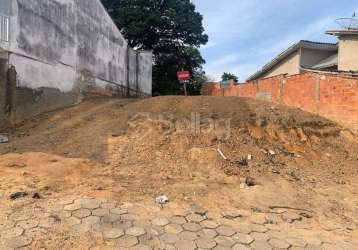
228	76
172	29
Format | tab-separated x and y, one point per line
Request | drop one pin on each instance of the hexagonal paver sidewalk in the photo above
109	225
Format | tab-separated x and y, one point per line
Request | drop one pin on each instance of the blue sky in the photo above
245	34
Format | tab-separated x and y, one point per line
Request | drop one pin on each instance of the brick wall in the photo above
332	96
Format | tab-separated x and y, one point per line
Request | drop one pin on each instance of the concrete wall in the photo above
330	95
310	57
291	65
63	49
348	53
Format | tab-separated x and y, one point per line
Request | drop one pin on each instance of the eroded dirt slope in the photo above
134	150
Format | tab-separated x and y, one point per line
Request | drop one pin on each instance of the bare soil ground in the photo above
133	150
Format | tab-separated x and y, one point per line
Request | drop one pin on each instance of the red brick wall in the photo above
332	96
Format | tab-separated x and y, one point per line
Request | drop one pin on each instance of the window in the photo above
4	28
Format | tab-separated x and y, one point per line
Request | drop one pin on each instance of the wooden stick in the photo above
222	154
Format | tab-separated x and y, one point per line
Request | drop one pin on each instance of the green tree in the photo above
173	29
228	76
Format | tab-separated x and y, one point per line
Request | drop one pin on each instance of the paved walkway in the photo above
109	225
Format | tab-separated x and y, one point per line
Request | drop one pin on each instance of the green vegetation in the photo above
172	29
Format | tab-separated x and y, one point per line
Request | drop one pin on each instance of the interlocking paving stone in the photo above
243	238
186	235
83	228
27	224
135	231
296	242
108	205
173	228
240	247
192	227
127	241
209	233
225	231
72	207
91	220
142	223
225	241
93	204
142	247
185	245
114	233
205	243
159	233
169	238
160	222
119	211
279	243
313	247
195	218
220	247
258	219
81	213
12	232
100	212
260	245
19	241
111	218
277	234
102	227
258	228
123	224
73	221
209	224
260	236
196	209
177	220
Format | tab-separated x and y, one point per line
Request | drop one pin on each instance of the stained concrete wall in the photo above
310	57
348	53
62	49
291	66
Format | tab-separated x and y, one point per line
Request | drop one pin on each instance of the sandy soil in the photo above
133	150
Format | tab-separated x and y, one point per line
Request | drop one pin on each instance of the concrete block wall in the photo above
63	50
332	96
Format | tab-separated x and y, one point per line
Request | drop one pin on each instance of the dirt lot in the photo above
134	150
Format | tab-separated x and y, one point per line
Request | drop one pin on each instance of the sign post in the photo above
183	77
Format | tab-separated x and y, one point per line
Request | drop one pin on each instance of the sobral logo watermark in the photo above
195	124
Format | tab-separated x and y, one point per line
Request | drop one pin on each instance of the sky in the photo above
244	35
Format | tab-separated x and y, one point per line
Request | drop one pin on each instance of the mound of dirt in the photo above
137	149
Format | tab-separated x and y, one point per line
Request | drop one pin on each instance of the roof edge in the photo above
301	44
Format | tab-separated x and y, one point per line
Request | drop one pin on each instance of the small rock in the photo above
162	199
196	209
250	182
249	157
17	195
4	139
275	171
271	152
36	196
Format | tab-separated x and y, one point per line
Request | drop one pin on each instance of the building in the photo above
307	55
61	49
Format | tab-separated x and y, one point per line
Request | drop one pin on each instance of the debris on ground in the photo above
18	195
163	199
15	165
4	139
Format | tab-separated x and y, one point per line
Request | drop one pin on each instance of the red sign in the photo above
183	75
